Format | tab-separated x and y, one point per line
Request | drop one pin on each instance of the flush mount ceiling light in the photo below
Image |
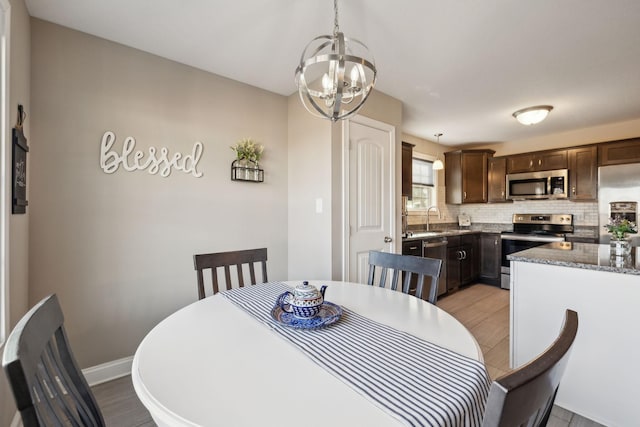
438	165
335	75
532	115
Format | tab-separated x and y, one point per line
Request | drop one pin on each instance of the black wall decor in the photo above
19	169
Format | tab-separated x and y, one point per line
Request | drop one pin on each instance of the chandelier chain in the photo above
336	30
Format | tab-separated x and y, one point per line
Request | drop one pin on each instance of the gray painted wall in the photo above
118	248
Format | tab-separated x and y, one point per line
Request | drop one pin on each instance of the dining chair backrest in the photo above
525	396
48	386
225	260
424	269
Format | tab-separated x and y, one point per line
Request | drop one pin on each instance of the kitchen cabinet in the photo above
537	161
412	247
619	152
583	173
466	176
497	180
407	169
490	258
462	260
430	248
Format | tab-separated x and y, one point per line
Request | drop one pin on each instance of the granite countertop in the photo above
589	256
446	229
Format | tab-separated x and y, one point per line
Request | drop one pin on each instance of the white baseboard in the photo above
16	422
108	371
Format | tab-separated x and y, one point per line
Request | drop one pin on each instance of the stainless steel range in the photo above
529	231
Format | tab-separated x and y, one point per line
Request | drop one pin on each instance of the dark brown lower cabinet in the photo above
462	260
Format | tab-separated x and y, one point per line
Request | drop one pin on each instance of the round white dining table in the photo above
213	364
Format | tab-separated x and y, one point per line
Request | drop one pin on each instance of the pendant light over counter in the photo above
335	75
437	164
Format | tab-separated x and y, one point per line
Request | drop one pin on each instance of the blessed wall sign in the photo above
154	161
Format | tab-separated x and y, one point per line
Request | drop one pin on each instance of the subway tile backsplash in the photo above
584	213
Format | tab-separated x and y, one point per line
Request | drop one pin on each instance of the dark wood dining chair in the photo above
227	259
424	269
48	386
525	397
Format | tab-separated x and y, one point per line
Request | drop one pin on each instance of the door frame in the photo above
5	147
391	130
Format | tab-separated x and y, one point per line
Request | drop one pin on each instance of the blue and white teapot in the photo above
304	302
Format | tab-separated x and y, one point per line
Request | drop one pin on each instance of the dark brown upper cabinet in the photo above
619	152
538	161
583	173
497	180
407	168
466	176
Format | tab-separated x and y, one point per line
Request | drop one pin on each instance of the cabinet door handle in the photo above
530	163
495	242
539	162
573	189
413	247
464	195
459	255
464	254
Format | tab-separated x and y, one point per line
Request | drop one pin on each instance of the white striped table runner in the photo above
413	380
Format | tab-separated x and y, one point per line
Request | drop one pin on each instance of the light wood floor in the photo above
483	309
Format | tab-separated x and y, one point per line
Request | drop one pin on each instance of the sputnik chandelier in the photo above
334	77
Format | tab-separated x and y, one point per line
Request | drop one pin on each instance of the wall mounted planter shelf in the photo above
243	170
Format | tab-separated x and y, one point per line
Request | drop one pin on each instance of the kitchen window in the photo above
423	188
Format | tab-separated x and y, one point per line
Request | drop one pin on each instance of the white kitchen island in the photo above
603	374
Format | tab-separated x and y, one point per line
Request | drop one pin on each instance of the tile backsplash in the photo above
584	213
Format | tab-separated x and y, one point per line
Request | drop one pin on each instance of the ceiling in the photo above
460	68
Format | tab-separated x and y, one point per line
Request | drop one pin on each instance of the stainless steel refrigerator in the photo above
619	183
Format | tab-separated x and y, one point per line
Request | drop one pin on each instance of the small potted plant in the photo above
620	228
248	151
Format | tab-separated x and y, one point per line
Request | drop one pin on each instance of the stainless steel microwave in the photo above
552	184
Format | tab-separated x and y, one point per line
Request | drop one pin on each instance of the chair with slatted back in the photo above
226	260
525	397
410	266
47	384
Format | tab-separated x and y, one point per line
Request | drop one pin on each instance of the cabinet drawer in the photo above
412	247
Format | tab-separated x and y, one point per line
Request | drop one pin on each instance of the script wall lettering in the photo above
154	161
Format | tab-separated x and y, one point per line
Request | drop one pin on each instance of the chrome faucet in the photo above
429	210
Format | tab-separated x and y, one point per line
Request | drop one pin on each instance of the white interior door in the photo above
371	211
